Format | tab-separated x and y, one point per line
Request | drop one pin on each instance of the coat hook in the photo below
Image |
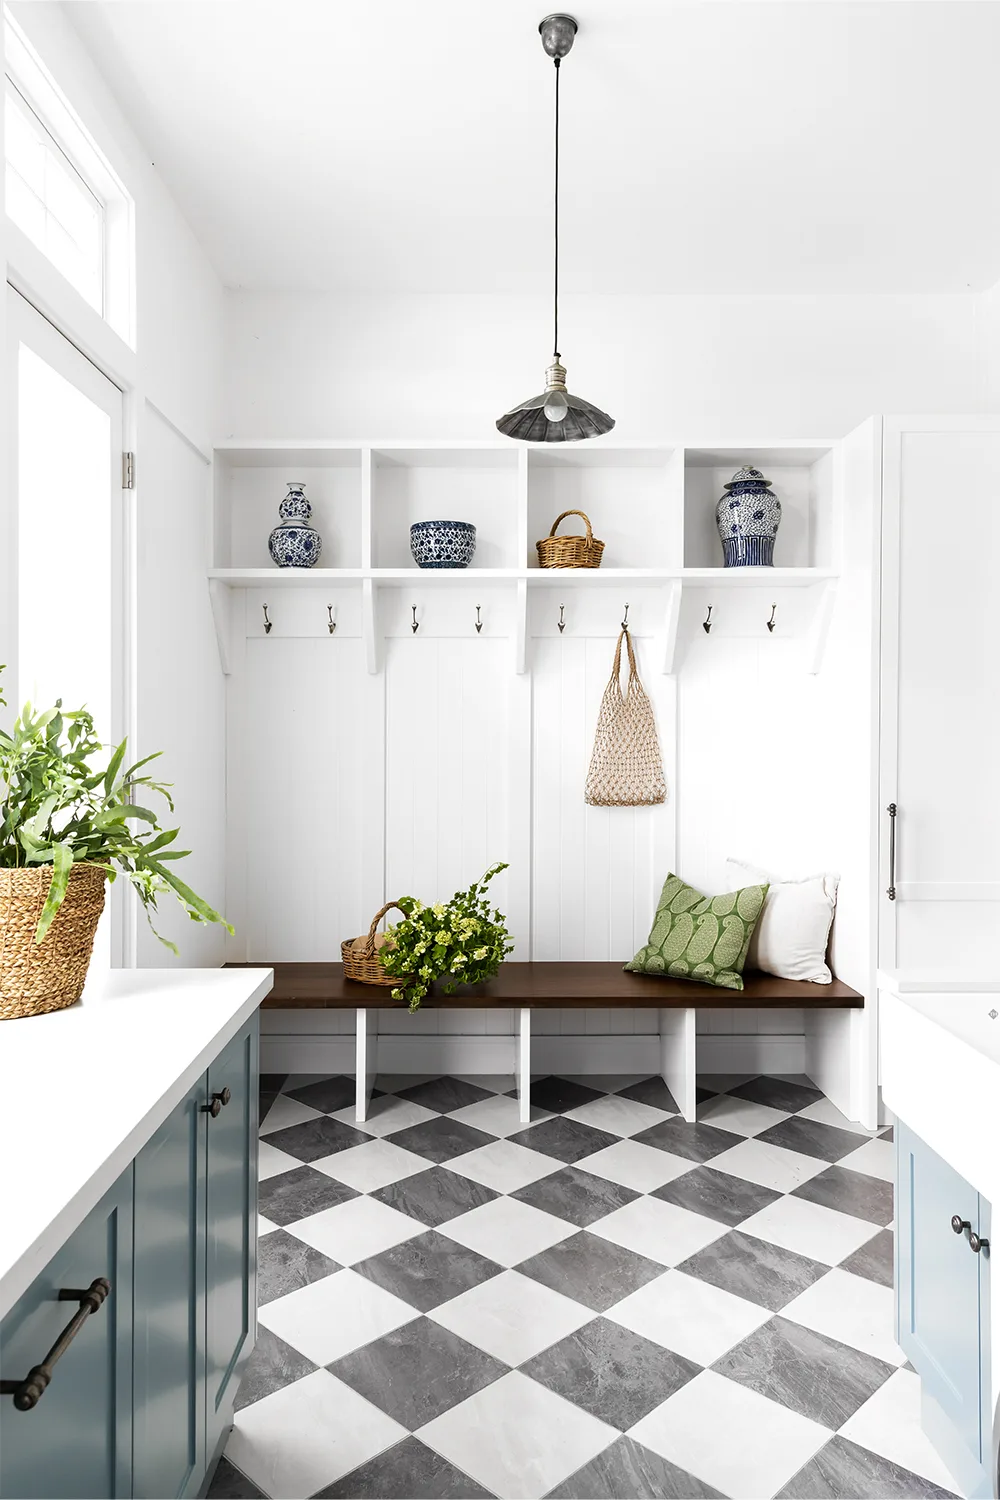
479	623
331	622
706	623
415	626
625	621
770	623
562	622
268	624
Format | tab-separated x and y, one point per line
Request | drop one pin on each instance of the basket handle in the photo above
368	951
585	519
633	674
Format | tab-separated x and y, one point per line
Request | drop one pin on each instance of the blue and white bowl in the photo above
442	544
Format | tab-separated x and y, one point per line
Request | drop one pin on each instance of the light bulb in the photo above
556	405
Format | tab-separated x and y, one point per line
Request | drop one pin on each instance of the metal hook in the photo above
770	623
706	623
562	622
625	621
415	626
268	624
479	623
331	622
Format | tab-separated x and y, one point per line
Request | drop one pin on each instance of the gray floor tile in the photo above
441	1139
428	1270
850	1192
805	1371
651	1091
566	1140
628	1471
328	1095
693	1141
843	1471
615	1374
717	1195
299	1193
272	1365
316	1138
577	1196
418	1372
591	1270
285	1263
756	1270
435	1196
873	1260
408	1471
887	1134
556	1095
777	1092
444	1094
229	1484
811	1138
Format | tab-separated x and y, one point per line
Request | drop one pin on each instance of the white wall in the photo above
700	368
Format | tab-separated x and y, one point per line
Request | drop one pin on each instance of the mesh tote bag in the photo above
626	769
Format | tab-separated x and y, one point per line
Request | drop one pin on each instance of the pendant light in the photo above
556	416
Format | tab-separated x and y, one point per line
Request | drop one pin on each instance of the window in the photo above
60	190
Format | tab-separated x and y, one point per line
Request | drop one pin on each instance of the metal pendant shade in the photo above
555	416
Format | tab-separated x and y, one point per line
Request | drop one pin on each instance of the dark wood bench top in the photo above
544	986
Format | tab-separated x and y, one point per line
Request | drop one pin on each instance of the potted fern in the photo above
72	817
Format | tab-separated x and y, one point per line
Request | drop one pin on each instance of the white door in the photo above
940	698
66	523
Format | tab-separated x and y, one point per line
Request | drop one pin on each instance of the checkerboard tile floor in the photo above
608	1302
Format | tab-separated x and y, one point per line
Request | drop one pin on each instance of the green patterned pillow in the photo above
700	937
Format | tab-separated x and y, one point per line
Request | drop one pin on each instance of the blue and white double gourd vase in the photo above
442	544
748	517
294	543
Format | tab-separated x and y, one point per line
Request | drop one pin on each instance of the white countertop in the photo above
82	1090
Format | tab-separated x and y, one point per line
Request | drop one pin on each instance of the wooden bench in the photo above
524	987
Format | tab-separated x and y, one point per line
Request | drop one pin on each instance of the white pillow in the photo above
793	929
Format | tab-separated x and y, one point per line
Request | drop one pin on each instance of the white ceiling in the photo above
405	145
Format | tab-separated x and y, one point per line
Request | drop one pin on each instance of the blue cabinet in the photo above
942	1301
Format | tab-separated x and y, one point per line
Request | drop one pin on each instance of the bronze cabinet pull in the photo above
891	810
976	1244
218	1102
28	1392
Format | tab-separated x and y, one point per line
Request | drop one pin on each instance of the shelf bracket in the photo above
820	629
222	613
671	622
369	620
521	627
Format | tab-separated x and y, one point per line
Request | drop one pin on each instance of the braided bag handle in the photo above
626	767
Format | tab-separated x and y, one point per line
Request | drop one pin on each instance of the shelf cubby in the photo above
452	484
633	497
250	484
803	478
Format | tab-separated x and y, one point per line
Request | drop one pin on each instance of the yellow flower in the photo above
439	910
479	953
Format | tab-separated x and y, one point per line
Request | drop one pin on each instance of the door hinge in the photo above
128	471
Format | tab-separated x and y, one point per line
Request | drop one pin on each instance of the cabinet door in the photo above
77	1441
231	1224
939	1304
940	711
169	1306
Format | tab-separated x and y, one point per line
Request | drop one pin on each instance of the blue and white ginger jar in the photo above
295	544
442	544
748	517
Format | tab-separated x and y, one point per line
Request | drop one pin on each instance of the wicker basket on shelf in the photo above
50	975
570	551
360	955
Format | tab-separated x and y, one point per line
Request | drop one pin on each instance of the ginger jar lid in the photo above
747	476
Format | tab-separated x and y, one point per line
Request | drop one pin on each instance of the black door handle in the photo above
28	1392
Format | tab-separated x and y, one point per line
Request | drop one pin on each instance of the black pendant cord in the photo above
555	280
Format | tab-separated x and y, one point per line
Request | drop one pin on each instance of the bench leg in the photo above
366	1060
677	1057
522	1064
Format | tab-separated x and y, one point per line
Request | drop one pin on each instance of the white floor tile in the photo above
824	1234
620	1116
508	1231
371	1166
353	1231
852	1309
285	1112
689	1316
828	1114
302	1438
875	1158
385	1115
739	1115
889	1424
636	1166
517	1438
511	1316
770	1166
264	1226
731	1437
660	1231
504	1165
499	1115
329	1318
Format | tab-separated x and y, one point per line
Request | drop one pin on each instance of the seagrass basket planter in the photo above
360	955
570	551
38	977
